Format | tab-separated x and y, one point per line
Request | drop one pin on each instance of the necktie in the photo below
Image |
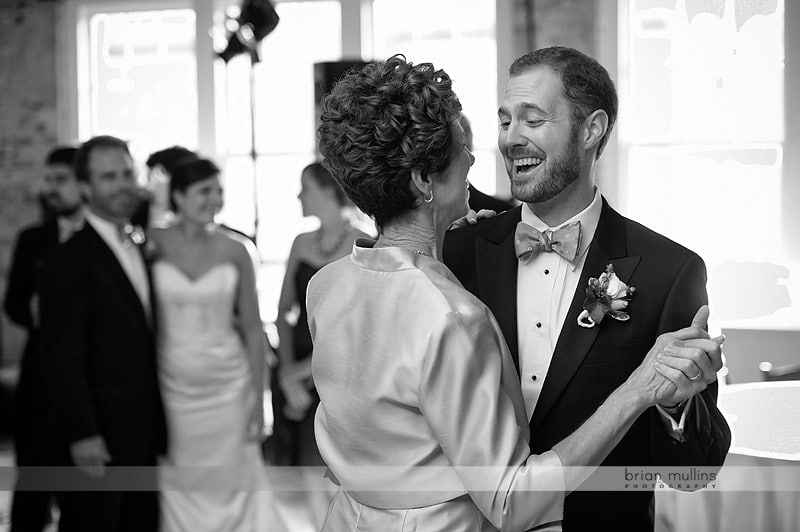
564	241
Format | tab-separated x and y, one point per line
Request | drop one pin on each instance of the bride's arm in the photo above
249	322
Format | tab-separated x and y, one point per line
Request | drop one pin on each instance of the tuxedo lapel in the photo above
608	246
496	264
110	263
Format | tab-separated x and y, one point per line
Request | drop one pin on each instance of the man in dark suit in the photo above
98	347
556	115
30	510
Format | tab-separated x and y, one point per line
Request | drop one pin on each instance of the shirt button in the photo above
547	272
533	377
539	324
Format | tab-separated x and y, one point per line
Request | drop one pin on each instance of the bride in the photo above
211	354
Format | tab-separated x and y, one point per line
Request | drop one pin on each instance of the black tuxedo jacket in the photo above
33	247
588	364
99	355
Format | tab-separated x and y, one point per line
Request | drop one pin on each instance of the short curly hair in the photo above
381	122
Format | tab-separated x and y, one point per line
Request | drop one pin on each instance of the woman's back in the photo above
414	378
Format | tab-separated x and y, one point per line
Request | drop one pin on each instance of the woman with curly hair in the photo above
421	420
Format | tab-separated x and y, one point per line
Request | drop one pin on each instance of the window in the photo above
702	138
142	80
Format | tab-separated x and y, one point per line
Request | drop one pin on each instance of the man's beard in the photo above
554	179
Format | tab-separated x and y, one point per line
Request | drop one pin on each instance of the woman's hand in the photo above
291	378
471	218
255	425
660	378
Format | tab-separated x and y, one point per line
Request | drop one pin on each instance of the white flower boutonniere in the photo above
605	296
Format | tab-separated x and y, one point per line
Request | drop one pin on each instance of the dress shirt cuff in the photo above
552	482
675	428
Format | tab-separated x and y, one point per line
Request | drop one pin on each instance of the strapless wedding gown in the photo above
217	480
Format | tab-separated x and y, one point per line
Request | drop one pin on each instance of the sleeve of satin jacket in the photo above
470	396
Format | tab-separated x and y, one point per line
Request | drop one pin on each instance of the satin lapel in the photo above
608	246
112	265
496	264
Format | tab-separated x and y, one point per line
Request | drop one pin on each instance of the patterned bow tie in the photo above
564	241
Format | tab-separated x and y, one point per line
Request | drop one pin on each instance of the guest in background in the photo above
295	400
211	360
477	199
98	349
30	510
154	209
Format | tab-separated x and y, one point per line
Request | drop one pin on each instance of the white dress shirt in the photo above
545	288
127	254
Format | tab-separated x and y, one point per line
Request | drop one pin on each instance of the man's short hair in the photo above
587	85
82	157
62	155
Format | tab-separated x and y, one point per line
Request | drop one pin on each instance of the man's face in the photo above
537	138
60	190
113	191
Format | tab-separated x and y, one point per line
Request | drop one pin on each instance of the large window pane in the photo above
143	78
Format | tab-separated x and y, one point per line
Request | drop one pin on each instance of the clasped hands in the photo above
680	364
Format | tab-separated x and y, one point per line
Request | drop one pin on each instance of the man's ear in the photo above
594	128
420	183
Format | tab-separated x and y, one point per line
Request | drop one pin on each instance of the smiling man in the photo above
531	266
98	351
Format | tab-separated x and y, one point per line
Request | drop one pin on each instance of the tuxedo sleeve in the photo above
20	288
65	320
706	433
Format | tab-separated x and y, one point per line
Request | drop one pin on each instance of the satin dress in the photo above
421	420
216	482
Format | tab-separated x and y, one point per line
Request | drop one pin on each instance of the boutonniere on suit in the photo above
605	296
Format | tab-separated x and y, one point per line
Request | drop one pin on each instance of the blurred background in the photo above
706	150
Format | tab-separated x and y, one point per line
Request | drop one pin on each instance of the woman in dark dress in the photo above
295	399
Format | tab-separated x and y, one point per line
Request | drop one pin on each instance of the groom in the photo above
99	355
532	265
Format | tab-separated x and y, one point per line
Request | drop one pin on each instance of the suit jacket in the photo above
33	247
99	354
479	200
588	364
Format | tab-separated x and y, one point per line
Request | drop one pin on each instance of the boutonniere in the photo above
605	296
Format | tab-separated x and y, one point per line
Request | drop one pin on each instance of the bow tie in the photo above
564	241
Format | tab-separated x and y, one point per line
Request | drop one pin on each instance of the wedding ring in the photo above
696	377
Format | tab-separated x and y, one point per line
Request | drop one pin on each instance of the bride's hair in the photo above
186	174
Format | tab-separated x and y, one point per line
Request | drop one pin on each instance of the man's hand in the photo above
660	377
690	369
471	218
90	455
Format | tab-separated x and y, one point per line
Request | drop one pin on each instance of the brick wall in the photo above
27	124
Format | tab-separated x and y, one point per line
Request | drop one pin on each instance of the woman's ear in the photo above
420	183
